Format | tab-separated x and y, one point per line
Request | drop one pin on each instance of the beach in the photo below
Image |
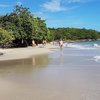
70	74
20	53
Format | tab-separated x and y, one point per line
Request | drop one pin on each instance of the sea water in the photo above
72	73
93	47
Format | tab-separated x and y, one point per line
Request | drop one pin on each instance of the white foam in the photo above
96	45
77	46
97	58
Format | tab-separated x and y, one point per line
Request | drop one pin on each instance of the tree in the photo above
5	37
41	32
25	26
74	33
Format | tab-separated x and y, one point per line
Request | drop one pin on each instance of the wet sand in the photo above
66	75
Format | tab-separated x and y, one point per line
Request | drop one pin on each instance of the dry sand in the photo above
20	53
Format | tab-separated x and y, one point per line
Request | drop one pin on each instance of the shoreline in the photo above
21	53
27	52
81	40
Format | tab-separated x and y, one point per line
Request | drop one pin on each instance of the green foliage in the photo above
24	25
74	34
5	37
19	22
41	31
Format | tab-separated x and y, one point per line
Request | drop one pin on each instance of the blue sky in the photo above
60	13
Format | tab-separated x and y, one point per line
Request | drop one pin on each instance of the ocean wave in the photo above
96	45
97	58
78	46
83	46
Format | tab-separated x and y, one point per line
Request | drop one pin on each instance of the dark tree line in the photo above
74	34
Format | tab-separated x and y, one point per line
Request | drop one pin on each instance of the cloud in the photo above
59	5
53	6
78	1
4	5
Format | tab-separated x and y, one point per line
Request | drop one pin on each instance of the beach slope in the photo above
20	53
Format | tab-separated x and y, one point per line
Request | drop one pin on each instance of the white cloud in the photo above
78	1
59	5
4	5
62	5
53	5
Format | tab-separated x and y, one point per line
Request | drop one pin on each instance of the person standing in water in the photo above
61	47
61	44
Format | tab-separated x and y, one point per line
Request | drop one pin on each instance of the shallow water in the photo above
70	74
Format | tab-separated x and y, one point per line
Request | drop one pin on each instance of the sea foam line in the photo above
97	58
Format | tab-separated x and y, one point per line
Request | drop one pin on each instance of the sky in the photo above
60	13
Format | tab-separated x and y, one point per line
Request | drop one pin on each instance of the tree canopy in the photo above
24	26
5	37
74	34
